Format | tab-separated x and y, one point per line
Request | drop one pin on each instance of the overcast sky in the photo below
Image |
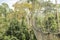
11	2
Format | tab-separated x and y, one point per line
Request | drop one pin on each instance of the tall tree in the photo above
57	15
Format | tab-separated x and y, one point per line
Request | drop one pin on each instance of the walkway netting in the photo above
46	20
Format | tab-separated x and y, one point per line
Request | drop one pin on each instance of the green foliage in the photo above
51	23
11	28
13	23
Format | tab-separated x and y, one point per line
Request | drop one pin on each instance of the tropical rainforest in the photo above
20	22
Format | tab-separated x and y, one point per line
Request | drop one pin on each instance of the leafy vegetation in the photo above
17	24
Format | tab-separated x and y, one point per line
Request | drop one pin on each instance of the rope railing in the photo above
40	29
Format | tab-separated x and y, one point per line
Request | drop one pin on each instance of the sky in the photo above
11	2
58	1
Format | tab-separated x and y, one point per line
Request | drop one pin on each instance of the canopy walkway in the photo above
48	34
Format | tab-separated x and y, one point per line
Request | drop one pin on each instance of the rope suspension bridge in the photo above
47	35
